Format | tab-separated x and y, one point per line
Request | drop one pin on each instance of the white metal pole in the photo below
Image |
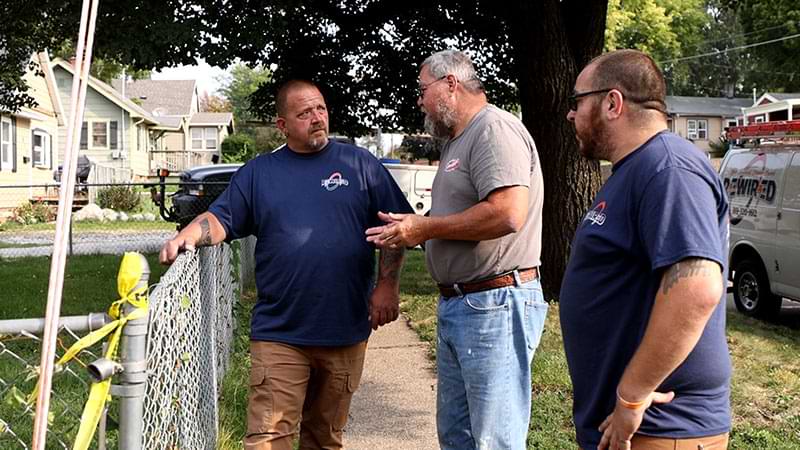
58	261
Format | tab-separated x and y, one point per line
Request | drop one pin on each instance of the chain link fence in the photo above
19	362
122	218
189	337
110	218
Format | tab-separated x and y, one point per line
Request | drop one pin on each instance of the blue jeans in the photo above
485	347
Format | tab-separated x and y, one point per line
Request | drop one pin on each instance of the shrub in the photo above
118	198
238	147
33	212
719	148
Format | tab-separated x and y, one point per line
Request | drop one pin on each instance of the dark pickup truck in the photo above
198	188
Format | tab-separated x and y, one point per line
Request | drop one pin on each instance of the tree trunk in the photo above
551	47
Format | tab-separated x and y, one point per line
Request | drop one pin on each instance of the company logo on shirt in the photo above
334	181
596	216
452	165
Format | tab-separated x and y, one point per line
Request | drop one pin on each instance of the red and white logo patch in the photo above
334	181
452	165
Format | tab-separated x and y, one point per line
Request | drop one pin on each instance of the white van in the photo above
763	187
416	182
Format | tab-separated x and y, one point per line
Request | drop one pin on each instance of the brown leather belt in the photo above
499	281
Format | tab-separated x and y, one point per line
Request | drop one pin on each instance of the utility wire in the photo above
734	36
719	52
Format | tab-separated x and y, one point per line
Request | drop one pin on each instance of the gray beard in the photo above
446	123
318	143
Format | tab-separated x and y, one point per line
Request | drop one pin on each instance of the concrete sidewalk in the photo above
395	407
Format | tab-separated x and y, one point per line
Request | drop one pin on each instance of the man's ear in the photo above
280	122
615	100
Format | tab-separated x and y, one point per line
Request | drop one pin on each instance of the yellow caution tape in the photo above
130	271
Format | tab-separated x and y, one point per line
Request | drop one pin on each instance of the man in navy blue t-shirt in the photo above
642	300
308	204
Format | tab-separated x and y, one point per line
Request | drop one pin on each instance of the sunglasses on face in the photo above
572	100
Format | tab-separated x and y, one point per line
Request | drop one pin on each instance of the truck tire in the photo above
751	291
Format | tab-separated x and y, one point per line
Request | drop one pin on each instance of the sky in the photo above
202	72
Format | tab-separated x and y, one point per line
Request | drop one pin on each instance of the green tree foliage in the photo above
366	55
238	88
102	68
238	147
776	67
675	31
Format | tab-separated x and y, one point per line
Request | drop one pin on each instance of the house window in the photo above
697	129
197	138
204	138
5	143
760	119
730	123
99	134
41	149
211	138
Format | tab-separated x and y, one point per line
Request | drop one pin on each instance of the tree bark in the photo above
553	41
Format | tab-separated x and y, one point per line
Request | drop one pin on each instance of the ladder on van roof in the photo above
779	132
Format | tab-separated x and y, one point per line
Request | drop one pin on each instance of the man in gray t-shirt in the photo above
483	245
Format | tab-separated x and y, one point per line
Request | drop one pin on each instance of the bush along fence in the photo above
174	348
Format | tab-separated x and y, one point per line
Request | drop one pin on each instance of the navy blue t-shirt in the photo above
314	268
663	203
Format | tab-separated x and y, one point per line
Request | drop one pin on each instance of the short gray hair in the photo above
447	62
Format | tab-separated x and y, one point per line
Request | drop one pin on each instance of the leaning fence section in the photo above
189	343
191	324
19	362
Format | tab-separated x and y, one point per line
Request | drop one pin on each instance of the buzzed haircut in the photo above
635	74
283	93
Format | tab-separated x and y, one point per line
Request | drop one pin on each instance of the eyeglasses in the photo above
573	99
424	87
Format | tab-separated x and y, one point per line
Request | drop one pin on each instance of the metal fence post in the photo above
131	388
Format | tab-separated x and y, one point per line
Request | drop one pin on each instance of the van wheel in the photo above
751	291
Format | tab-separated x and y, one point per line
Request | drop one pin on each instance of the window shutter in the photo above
112	131
84	136
13	144
50	148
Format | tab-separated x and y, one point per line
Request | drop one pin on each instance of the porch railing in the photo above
179	160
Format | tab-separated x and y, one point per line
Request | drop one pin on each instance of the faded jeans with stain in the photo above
486	342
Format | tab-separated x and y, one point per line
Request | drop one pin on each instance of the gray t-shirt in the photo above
495	150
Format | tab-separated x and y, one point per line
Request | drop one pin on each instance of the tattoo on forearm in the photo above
205	233
683	269
391	262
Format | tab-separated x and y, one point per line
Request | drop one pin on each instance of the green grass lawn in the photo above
13	228
765	393
765	388
89	286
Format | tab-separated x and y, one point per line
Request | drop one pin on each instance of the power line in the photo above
720	52
753	70
733	36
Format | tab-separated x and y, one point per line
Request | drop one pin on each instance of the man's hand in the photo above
400	231
171	249
204	230
620	426
384	305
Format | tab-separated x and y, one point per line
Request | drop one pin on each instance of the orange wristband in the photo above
627	404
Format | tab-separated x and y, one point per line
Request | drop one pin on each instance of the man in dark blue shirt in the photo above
308	204
642	300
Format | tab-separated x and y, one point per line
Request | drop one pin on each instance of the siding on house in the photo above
715	129
24	170
99	108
